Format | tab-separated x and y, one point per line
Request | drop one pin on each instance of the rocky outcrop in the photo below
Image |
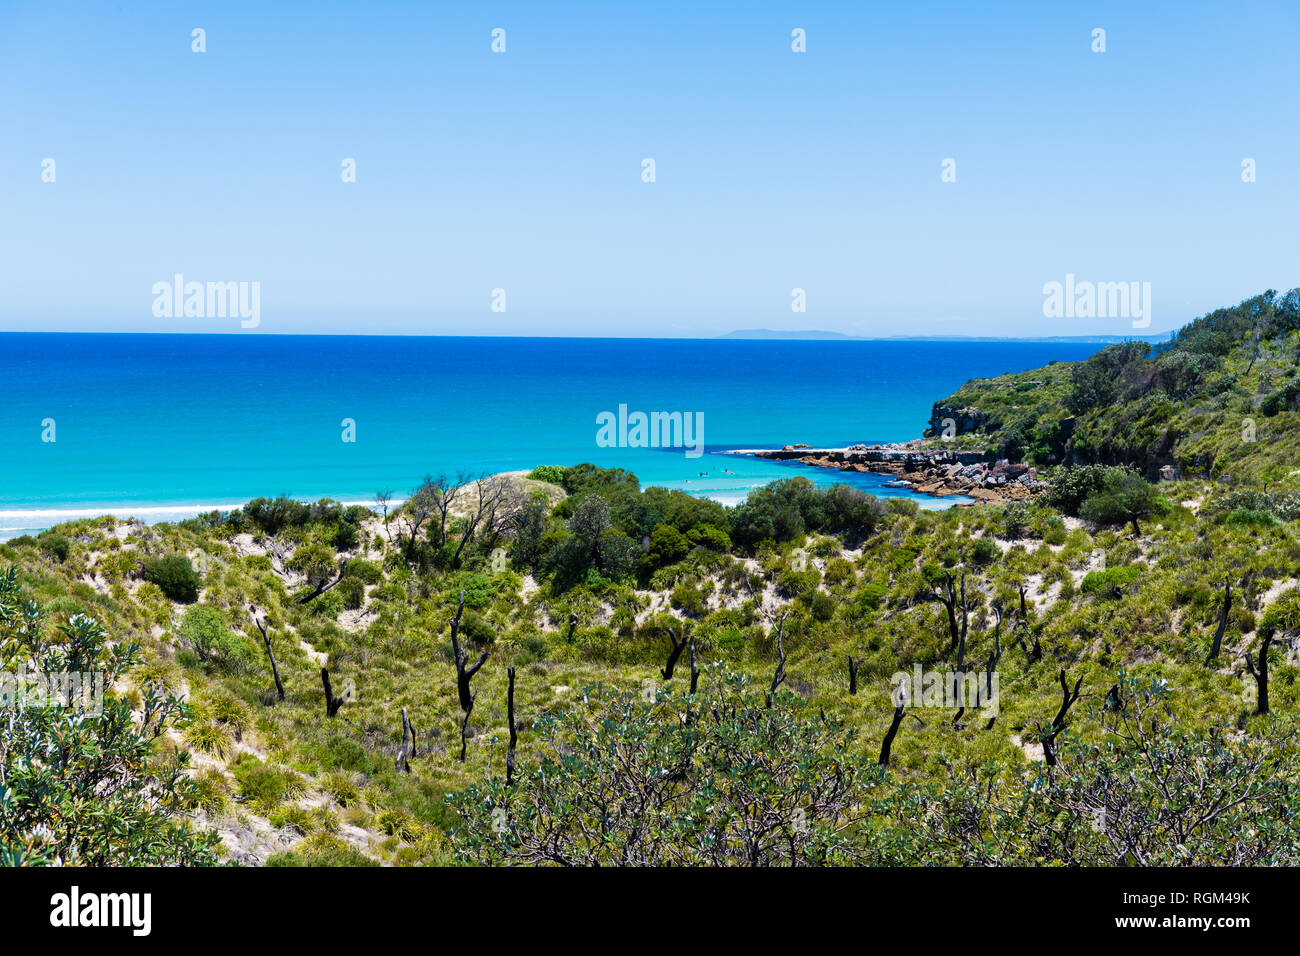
964	420
909	455
932	471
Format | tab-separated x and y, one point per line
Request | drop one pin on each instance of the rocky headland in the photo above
932	471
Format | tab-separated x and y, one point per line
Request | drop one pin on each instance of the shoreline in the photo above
22	521
42	519
936	472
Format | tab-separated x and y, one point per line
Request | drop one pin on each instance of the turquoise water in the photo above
162	426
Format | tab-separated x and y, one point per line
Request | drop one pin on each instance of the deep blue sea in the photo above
161	426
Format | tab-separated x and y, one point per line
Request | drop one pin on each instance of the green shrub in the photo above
55	545
1111	582
791	583
346	536
328	851
688	598
262	786
1251	519
1015	520
707	536
840	571
551	474
985	552
274	516
820	605
1283	615
340	753
328	605
1074	485
667	545
352	591
176	578
1123	498
208	737
367	572
205	629
1051	528
871	595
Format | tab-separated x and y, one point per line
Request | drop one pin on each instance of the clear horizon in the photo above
778	335
522	170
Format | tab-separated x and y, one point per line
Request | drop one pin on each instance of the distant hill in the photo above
784	334
1221	398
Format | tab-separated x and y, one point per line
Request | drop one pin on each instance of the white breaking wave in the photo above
16	522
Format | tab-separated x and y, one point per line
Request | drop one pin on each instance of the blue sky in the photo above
522	170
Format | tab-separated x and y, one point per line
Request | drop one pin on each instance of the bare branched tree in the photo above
676	652
1068	699
1260	674
383	498
266	641
464	674
994	656
1223	623
502	513
778	678
695	670
900	707
947	596
1022	627
965	620
324	584
777	625
1032	654
278	554
430	502
510	719
407	750
493	502
332	703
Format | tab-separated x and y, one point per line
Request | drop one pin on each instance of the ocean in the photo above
164	426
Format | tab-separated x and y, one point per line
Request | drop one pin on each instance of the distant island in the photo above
787	334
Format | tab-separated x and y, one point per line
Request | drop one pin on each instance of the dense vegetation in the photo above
569	668
1221	399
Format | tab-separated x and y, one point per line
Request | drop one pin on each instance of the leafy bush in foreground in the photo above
1150	794
711	779
85	788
